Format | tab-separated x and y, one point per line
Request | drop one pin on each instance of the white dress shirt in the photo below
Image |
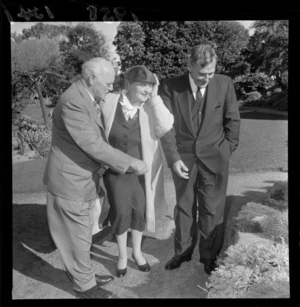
194	87
128	109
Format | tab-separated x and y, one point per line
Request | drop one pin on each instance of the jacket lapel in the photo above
88	100
184	98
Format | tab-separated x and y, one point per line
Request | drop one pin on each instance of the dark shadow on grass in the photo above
30	232
260	115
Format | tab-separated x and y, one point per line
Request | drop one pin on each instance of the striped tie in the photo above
97	107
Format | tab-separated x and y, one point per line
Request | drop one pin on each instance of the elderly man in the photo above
79	148
206	132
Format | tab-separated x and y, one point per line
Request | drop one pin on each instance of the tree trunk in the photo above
38	90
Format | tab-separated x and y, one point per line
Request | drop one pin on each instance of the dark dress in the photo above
126	192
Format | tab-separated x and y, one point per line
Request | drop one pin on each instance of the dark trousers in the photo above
200	208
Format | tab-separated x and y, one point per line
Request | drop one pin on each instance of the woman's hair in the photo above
203	54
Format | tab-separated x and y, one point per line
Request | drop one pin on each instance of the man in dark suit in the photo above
205	133
78	150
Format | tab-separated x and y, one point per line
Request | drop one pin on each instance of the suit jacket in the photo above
79	147
218	135
155	120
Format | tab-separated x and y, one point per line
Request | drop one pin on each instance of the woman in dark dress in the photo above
135	119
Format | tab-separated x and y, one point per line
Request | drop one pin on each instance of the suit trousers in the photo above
70	225
200	208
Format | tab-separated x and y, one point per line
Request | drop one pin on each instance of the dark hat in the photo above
140	73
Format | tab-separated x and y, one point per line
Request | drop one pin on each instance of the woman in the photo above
134	120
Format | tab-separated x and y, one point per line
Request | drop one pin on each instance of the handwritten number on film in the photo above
33	13
118	13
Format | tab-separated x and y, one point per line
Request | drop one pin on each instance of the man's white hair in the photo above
95	66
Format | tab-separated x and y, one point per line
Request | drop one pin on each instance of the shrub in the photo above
277	225
243	222
278	101
247	266
278	289
32	135
251	82
253	96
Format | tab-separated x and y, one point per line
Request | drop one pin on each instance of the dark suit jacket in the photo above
218	136
79	147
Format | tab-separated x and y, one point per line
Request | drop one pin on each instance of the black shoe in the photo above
102	280
121	272
144	267
209	265
176	261
95	292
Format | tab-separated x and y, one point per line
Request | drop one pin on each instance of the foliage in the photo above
163	46
34	55
277	101
119	83
82	43
246	266
277	225
251	82
271	289
42	30
275	204
268	48
32	62
243	223
21	91
32	135
129	42
253	96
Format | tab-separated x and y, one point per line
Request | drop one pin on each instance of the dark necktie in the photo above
198	95
197	110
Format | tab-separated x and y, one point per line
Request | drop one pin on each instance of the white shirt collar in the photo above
128	109
93	99
194	87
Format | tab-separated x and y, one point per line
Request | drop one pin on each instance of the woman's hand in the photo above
155	87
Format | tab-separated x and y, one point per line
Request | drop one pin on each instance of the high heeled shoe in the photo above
121	272
144	267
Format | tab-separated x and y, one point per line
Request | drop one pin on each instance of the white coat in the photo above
155	120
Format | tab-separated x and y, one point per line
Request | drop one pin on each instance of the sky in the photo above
109	29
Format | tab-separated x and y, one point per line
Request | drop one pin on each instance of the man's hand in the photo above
139	167
101	171
155	88
181	170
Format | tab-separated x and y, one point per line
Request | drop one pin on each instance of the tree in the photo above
82	43
129	43
268	48
163	46
42	30
31	62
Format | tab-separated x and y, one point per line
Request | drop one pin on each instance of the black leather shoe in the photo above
95	292
103	279
121	272
144	267
209	265
176	261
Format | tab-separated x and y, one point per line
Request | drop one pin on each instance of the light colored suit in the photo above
79	147
155	120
